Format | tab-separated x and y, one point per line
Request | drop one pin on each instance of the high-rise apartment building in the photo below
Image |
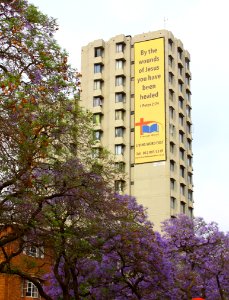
138	89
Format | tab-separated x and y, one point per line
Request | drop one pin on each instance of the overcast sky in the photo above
202	26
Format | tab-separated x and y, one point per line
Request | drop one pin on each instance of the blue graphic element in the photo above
150	128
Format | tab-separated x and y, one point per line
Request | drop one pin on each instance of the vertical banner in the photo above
149	101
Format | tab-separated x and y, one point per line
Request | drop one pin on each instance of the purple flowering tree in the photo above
131	261
119	260
199	254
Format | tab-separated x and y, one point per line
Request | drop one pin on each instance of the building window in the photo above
98	51
120	47
170	42
119	64
172	184
97	101
171	95
97	68
97	119
180	85
189	128
181	119
180	69
171	112
171	77
96	152
172	147
119	186
188	95
188	111
182	171
119	131
189	158
172	165
173	202
97	84
182	189
190	178
187	63
170	61
34	251
181	102
120	166
119	114
97	134
119	149
181	136
190	212
189	143
119	97
182	152
190	195
172	130
29	290
182	208
180	52
119	80
187	79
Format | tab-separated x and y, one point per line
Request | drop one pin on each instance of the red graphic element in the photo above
141	123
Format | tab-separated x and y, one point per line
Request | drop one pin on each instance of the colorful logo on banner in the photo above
147	126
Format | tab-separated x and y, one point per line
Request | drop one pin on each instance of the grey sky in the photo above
202	25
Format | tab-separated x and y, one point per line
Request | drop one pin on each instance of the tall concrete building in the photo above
138	89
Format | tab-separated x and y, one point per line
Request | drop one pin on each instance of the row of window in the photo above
119	65
182	188
181	154
180	82
119	81
119	97
179	53
119	150
119	115
182	138
188	141
181	118
182	171
119	132
179	66
173	205
180	99
119	48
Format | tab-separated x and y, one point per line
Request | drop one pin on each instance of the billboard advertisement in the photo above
149	88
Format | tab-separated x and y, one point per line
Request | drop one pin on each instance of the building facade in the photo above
138	89
33	260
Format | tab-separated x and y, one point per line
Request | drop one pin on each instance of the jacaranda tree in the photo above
190	260
199	253
125	260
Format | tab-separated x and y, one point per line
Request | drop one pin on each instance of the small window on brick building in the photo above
29	290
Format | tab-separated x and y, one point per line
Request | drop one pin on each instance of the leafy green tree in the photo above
42	126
